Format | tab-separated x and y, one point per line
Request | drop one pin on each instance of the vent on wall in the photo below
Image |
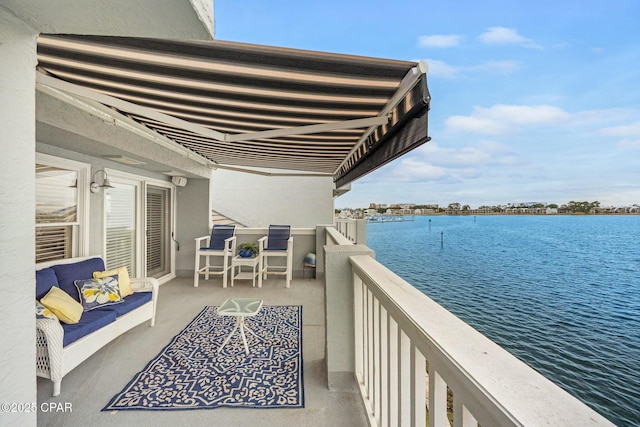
180	181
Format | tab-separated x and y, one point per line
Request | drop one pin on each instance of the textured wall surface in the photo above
258	200
176	19
17	218
192	220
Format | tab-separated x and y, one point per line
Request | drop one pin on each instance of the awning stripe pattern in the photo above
241	91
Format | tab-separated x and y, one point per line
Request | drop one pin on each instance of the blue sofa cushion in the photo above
90	321
130	303
45	280
68	273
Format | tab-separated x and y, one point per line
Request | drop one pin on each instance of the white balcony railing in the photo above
412	355
410	350
353	229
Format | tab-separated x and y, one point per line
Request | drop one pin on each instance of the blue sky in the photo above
532	101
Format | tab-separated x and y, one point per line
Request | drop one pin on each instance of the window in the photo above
59	211
122	226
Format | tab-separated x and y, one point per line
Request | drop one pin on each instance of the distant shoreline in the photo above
500	214
518	214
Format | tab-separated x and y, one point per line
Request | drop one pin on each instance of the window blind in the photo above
121	227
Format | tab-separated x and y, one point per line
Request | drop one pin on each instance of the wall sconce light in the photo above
95	186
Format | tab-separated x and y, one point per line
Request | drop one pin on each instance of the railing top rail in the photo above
336	237
504	390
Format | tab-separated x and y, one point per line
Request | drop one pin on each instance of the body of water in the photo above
562	293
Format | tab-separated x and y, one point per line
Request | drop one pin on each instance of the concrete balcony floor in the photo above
90	386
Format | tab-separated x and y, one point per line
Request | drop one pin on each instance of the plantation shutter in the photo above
121	227
53	243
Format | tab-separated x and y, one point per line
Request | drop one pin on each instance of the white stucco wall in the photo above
258	200
17	224
175	19
192	221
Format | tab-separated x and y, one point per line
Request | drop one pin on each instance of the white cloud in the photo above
629	134
475	124
630	130
440	41
432	163
504	36
500	119
497	67
441	69
629	143
413	169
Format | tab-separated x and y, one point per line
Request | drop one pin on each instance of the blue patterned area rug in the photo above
190	374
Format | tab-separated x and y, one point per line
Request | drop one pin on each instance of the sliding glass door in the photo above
121	224
138	226
158	231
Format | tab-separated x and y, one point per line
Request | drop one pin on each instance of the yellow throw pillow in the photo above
123	279
62	305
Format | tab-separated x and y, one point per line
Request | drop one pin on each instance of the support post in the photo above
339	312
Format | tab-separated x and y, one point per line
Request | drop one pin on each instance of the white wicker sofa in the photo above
61	347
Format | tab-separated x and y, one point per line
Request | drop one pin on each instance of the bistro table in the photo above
239	308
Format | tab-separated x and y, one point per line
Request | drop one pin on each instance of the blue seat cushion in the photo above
219	233
45	280
68	273
131	302
278	237
89	322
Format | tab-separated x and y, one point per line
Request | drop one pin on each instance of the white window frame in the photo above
141	182
172	224
116	176
80	240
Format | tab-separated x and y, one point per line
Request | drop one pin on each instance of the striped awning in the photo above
249	105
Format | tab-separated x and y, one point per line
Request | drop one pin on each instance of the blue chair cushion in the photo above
131	302
68	273
89	322
278	237
45	280
219	233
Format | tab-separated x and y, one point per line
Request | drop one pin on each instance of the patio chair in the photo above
221	243
278	243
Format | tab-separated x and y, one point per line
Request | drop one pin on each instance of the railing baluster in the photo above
461	415
365	341
404	374
370	352
384	367
376	359
437	399
358	290
418	388
394	396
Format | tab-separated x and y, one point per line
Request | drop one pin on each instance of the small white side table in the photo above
239	308
239	262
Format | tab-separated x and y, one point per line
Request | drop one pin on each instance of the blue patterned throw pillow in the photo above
43	312
95	293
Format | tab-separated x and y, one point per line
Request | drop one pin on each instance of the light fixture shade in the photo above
95	187
106	183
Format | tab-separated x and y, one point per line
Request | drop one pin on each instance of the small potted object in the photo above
247	250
